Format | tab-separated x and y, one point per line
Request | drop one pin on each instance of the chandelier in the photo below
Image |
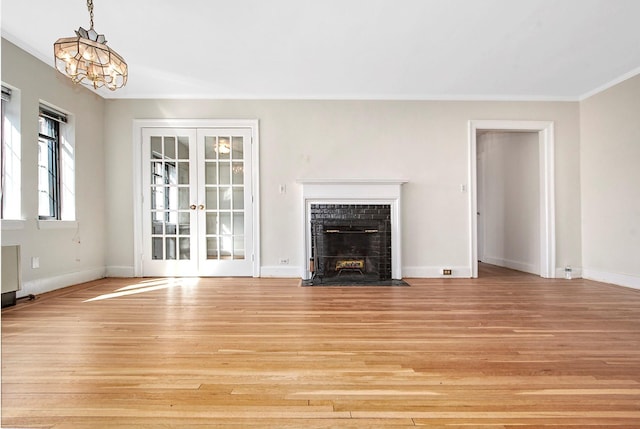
87	59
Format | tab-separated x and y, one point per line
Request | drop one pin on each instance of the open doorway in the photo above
508	203
542	133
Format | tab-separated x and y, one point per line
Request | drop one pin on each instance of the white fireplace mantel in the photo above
354	191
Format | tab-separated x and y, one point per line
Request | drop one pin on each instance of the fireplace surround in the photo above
350	242
357	222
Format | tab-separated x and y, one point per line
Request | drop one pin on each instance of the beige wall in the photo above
67	256
423	141
610	159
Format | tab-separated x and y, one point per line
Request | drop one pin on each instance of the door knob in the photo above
192	206
201	206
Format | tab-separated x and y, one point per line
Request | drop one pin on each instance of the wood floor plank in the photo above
505	350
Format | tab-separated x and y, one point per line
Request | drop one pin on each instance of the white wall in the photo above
610	158
425	142
67	256
509	200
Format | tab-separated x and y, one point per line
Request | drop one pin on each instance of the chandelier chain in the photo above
90	7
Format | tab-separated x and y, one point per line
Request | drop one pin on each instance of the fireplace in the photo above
352	229
350	242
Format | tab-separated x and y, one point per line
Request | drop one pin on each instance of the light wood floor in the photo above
506	350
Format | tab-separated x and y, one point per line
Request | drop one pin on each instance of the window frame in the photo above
11	171
66	217
53	163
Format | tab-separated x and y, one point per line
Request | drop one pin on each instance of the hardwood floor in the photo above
506	350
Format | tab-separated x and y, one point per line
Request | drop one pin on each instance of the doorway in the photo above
197	215
508	202
546	208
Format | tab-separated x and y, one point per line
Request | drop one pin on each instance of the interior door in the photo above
197	202
169	184
225	198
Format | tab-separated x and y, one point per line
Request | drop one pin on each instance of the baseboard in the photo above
514	265
48	284
280	271
436	272
613	278
120	271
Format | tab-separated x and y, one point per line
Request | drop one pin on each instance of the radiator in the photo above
10	274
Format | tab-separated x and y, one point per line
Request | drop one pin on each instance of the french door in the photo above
197	213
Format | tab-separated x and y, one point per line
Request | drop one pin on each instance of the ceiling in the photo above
349	49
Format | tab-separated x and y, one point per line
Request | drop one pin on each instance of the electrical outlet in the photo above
446	272
284	261
35	262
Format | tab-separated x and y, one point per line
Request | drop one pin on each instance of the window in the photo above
11	155
48	168
55	166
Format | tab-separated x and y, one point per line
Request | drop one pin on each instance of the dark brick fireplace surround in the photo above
351	241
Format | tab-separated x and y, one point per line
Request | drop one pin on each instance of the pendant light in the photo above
87	59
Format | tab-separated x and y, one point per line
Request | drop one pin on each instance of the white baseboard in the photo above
436	272
120	271
48	284
614	278
284	271
514	265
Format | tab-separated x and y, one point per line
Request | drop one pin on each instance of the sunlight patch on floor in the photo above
147	286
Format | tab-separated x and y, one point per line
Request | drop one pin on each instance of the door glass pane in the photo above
170	147
183	198
156	248
209	147
238	247
238	148
171	248
157	198
225	173
211	198
185	248
157	225
224	148
211	173
157	173
225	223
171	200
238	173
238	198
183	147
156	148
238	223
171	173
212	223
184	227
226	246
225	198
183	173
212	247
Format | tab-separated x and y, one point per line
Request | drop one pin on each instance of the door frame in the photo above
546	146
139	124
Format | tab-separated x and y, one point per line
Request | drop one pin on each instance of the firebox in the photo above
350	242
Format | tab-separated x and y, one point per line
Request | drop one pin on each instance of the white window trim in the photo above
13	212
67	174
